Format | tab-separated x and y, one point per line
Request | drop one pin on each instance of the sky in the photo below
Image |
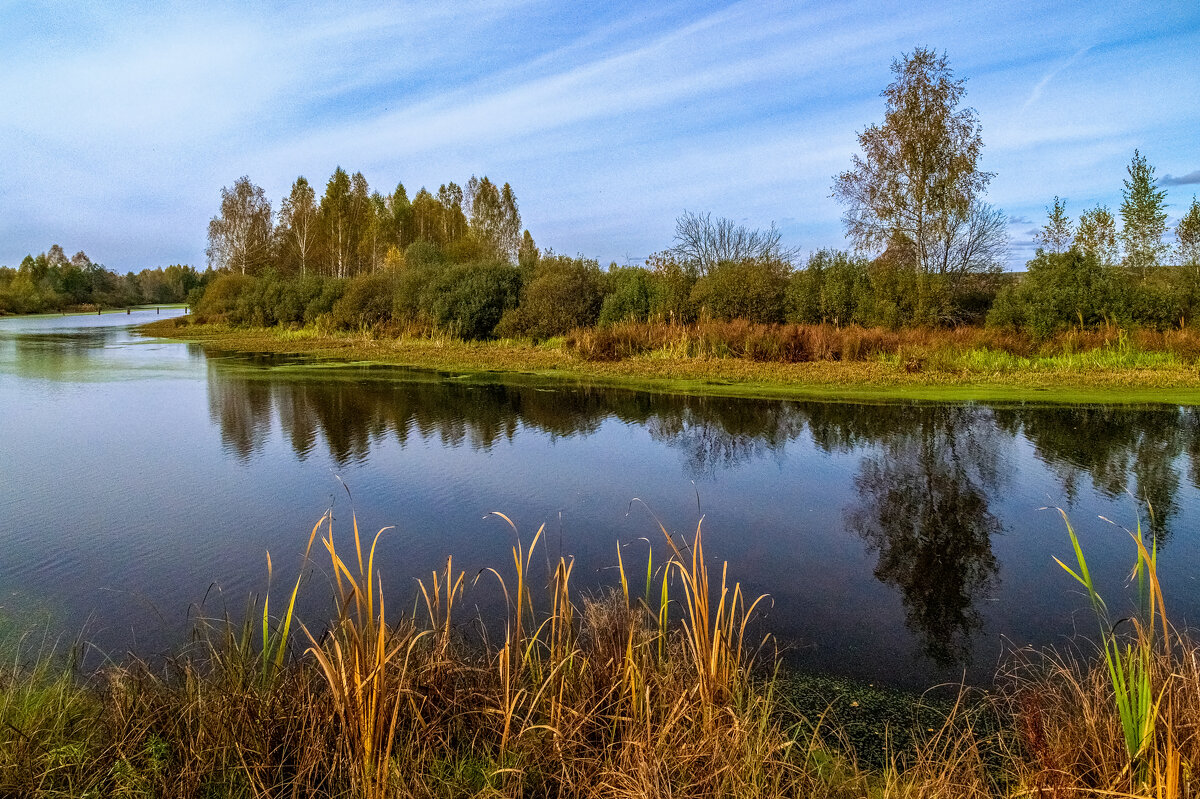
121	122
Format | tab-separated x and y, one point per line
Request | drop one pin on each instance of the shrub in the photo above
321	303
367	302
469	299
628	298
671	287
466	249
1060	290
409	292
423	254
1156	304
220	300
565	293
754	290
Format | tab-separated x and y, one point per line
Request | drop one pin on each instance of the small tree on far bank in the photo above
1143	218
1096	235
299	224
702	242
1056	235
1187	238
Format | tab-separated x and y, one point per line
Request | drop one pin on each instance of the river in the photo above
143	481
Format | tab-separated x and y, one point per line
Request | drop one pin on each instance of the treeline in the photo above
51	281
1089	273
543	296
454	263
352	230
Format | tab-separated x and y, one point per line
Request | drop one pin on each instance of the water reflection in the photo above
59	355
921	497
922	507
1118	449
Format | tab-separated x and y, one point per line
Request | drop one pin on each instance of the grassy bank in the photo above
657	689
1097	369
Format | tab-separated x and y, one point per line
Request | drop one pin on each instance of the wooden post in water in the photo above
158	310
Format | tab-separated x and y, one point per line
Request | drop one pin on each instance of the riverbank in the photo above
624	694
1097	376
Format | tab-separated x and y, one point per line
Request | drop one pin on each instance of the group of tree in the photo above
926	249
351	230
51	281
1090	272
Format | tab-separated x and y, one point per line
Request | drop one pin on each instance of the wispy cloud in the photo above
1040	86
122	122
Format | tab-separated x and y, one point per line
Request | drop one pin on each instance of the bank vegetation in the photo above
664	687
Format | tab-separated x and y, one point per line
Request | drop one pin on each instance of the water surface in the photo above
900	542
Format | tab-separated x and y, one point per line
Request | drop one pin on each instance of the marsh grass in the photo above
940	349
653	689
936	365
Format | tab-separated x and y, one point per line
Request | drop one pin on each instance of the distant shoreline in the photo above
94	311
735	377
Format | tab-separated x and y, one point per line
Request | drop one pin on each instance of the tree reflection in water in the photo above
922	506
921	498
1121	449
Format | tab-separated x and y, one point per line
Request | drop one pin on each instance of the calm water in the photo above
900	542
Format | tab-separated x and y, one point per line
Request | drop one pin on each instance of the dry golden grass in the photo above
649	691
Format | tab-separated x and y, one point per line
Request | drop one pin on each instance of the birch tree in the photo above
1057	235
298	221
239	238
1143	218
917	186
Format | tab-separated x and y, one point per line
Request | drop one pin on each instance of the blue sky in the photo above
122	122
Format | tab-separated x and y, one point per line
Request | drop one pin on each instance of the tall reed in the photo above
365	662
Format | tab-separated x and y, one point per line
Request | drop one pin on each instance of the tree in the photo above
1097	235
1143	218
298	221
487	212
527	253
917	186
701	243
375	236
1187	237
401	213
510	223
427	215
335	223
1056	235
55	256
454	221
239	238
360	224
978	242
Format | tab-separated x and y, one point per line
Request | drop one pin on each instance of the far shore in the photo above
1049	380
